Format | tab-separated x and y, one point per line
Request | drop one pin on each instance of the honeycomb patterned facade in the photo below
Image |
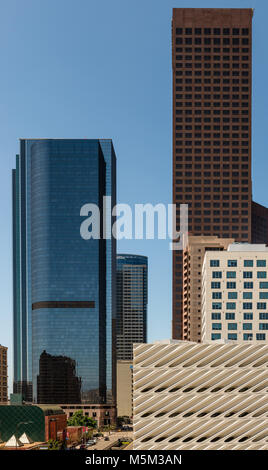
208	396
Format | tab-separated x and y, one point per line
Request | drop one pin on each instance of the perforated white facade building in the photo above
200	396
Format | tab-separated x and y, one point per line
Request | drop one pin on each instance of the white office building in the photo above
235	294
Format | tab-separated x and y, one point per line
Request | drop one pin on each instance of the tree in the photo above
54	445
78	419
122	420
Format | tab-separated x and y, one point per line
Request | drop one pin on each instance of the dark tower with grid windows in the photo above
131	303
211	60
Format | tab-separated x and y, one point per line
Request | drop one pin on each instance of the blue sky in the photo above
102	68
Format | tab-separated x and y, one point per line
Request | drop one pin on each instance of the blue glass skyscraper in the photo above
64	285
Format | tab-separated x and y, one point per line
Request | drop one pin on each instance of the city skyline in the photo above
158	189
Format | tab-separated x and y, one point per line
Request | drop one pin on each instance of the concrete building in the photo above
103	414
193	256
235	293
3	374
208	396
124	388
131	303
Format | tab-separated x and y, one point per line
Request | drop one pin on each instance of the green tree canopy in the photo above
78	419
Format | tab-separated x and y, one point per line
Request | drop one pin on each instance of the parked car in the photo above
91	443
106	438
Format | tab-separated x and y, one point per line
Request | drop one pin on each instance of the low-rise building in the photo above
195	396
235	293
124	388
39	422
105	415
3	375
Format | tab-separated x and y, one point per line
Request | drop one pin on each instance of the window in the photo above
261	263
215	336
232	263
263	295
247	274
247	295
247	305
263	326
230	274
261	274
248	316
260	336
230	316
263	285
232	295
263	316
216	274
217	326
261	305
216	305
215	316
214	263
247	336
217	295
248	263
215	285
232	336
230	305
231	285
247	326
232	326
248	285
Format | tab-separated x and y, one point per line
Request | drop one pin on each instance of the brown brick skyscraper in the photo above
211	58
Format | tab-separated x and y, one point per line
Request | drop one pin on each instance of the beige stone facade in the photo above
235	294
193	257
104	414
3	374
124	388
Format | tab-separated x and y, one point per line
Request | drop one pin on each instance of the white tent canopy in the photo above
24	439
13	442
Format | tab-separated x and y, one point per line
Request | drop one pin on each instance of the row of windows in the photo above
231	316
216	73
225	58
232	274
215	41
246	336
232	306
209	50
233	326
260	263
215	31
214	65
234	295
216	182
215	81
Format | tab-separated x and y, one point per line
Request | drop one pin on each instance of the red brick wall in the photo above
61	424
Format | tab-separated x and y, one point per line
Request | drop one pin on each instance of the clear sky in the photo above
102	68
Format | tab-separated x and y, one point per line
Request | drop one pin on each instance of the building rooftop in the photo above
247	247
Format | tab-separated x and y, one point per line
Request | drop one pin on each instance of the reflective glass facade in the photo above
64	291
131	303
